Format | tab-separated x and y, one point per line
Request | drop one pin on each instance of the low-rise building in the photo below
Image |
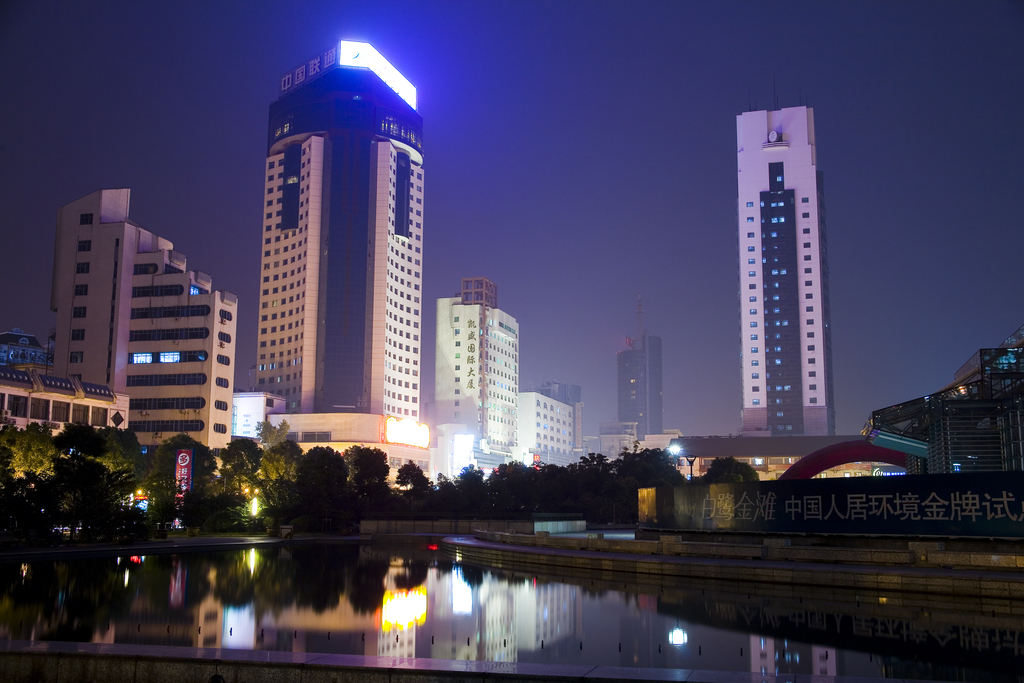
546	430
402	440
30	397
250	408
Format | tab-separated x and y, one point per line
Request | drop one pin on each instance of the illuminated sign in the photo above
462	453
406	431
352	54
183	469
404	609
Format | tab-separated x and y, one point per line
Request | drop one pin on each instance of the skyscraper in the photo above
785	335
339	319
639	381
476	365
131	315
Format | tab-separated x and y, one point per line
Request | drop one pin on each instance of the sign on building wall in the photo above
183	471
981	504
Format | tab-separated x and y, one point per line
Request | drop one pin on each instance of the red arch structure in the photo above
842	454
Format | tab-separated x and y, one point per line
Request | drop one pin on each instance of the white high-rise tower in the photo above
785	335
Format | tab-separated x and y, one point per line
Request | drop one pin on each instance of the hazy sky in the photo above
578	154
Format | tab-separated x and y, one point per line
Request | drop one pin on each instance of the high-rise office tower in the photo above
131	315
785	333
476	366
342	236
639	381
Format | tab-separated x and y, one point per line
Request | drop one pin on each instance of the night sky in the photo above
579	154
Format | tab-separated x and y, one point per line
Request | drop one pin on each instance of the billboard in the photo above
978	504
183	469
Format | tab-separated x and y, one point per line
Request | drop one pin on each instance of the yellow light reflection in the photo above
252	561
403	609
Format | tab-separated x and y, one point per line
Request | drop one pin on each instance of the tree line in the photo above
90	485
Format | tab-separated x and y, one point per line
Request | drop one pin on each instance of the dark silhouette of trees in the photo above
728	470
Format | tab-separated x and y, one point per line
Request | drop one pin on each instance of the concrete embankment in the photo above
671	559
81	662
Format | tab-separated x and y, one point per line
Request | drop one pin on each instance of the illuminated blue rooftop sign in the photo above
351	54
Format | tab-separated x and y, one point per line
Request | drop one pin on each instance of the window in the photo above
223	360
144	269
755	389
750	248
85	219
224	337
813	387
750	219
750	204
61	411
166	380
220	429
755	375
810	335
223	383
99	417
755	363
807	271
82	268
753	349
84	245
753	299
752	273
753	311
810	361
809	309
224	315
753	324
808	296
750	261
812	373
805	215
17	405
807	257
807	245
757	401
75	357
753	337
80	414
78	334
750	234
807	231
810	347
220	405
137	358
752	287
81	290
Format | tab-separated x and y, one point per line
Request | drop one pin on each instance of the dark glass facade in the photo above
782	306
639	381
349	108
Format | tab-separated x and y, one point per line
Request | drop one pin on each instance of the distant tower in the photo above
639	380
786	336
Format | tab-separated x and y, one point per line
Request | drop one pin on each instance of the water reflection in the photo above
372	600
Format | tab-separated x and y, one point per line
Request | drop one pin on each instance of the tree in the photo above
240	464
271	436
32	449
123	451
161	482
277	479
321	482
728	470
411	478
369	472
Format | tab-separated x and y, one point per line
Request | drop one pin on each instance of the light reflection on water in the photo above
408	602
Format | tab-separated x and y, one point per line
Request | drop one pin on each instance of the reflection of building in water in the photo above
762	655
769	656
823	661
546	612
499	618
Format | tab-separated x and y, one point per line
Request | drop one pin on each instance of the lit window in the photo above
750	219
750	234
753	349
750	203
755	363
753	324
755	375
170	357
142	358
750	248
757	401
753	337
752	273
